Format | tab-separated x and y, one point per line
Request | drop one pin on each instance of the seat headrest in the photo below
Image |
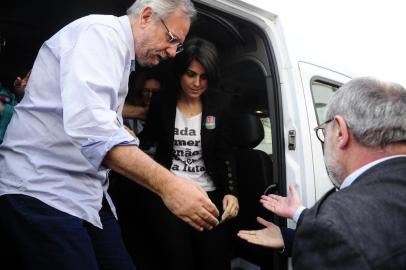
248	130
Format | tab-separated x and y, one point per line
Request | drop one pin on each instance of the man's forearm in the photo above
133	163
132	111
186	199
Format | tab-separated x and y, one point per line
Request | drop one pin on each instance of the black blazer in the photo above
360	227
216	143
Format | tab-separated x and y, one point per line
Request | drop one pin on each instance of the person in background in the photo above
68	131
146	84
191	126
360	223
8	100
129	197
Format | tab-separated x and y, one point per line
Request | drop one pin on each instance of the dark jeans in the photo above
37	236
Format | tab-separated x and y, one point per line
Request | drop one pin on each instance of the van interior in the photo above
248	74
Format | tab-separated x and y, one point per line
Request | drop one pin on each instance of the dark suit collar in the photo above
208	103
314	211
369	175
324	198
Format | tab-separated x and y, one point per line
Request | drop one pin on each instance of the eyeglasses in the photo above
320	133
173	40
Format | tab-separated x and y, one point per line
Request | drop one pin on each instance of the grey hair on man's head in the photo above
162	8
375	111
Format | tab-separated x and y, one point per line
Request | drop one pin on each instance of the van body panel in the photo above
309	73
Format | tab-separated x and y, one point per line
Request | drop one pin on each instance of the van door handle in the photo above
271	189
292	140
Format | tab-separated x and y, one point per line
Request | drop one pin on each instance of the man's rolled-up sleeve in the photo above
91	75
95	151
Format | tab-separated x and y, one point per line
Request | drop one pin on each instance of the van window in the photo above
321	93
266	144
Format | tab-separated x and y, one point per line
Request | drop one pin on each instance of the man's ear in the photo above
145	16
342	131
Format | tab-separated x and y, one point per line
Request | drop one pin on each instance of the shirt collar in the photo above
352	177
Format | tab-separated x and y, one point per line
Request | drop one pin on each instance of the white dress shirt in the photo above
70	117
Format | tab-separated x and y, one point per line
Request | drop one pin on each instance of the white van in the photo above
288	91
270	80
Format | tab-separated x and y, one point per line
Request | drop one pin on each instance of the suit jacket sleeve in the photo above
288	236
320	244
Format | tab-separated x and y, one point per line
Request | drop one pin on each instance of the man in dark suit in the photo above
362	223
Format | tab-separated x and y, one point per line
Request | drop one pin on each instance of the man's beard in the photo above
334	169
143	54
334	173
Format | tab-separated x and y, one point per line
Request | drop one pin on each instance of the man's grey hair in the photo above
162	8
375	111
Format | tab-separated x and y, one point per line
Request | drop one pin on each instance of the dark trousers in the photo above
180	247
130	201
38	236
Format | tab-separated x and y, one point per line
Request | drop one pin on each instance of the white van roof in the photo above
357	38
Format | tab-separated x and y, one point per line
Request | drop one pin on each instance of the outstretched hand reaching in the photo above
270	236
282	206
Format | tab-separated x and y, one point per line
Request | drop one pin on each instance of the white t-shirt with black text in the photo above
187	149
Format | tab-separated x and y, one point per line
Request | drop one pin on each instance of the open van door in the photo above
318	85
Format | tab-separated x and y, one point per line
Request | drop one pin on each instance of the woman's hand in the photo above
230	207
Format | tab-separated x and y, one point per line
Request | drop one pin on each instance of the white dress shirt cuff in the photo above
297	213
95	151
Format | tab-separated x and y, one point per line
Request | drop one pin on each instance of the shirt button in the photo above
229	175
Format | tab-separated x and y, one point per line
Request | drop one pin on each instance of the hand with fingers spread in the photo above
230	207
270	236
187	200
282	206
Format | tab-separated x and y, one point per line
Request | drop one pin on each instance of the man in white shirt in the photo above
67	131
361	225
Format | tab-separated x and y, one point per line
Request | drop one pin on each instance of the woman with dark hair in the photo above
192	130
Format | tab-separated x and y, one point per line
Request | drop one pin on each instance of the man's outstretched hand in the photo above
282	206
270	236
187	200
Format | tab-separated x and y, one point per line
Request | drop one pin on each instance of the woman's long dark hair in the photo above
204	52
